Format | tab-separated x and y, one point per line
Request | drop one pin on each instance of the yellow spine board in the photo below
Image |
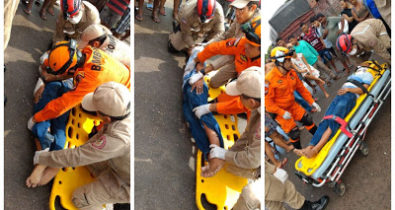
69	179
224	188
309	165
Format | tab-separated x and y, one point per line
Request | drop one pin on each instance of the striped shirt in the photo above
313	39
118	6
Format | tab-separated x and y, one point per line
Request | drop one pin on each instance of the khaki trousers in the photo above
10	7
279	193
104	190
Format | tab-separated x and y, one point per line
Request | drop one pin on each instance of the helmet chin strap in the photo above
282	66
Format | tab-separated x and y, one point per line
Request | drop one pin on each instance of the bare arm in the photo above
305	63
357	90
349	19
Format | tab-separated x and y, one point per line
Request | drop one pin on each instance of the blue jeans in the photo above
191	100
55	139
340	107
325	55
300	100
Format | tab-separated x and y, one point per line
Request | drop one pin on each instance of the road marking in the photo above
148	160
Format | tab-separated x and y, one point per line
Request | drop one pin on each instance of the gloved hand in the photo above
190	66
217	152
281	175
37	154
316	106
30	124
287	115
195	78
201	110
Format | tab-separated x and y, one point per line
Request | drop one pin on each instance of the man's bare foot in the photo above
34	179
290	147
48	175
299	152
309	153
213	167
282	164
162	11
51	11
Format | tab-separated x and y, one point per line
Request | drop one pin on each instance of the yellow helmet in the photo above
63	57
280	53
252	31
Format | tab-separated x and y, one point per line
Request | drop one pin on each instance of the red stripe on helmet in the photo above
200	7
210	7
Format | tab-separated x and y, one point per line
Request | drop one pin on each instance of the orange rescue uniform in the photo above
98	68
279	97
228	47
242	62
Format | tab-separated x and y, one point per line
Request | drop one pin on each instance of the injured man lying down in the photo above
343	103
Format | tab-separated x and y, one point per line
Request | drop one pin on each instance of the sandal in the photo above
43	16
149	6
285	161
155	18
27	11
51	11
162	11
138	18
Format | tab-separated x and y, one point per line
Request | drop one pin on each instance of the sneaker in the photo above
39	84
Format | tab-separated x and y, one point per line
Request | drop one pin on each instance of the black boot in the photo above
316	205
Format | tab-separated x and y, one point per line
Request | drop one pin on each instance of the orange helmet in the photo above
63	57
252	31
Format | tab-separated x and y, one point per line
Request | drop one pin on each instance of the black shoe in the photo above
170	48
176	26
320	204
297	145
316	205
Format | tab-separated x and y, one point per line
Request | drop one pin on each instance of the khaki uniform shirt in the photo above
372	35
118	50
233	31
191	27
90	16
111	145
384	7
245	155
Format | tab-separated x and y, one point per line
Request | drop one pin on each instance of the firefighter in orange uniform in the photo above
247	54
89	68
280	84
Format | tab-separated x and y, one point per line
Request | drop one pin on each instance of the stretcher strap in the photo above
358	84
343	124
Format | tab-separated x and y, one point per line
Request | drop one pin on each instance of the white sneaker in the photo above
39	84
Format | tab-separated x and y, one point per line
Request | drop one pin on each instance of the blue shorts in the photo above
325	55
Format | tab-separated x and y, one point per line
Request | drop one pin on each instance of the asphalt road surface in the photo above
164	175
30	38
